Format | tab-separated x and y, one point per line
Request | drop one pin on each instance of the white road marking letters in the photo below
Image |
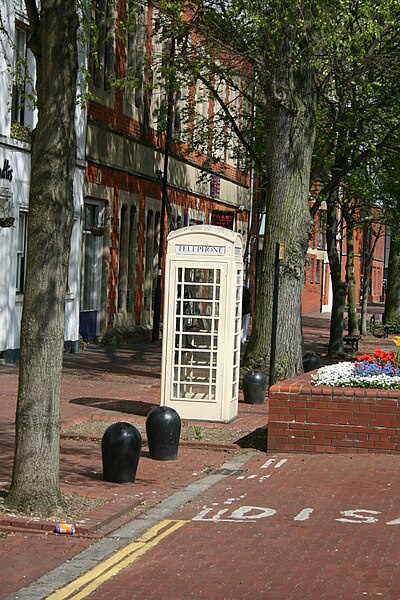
271	461
252	514
359	515
268	463
244	514
304	514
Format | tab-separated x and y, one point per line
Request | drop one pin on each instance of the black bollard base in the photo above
120	449
163	428
311	361
254	387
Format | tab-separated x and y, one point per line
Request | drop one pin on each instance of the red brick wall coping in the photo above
307	418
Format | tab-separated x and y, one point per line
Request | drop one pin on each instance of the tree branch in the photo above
337	178
34	22
232	121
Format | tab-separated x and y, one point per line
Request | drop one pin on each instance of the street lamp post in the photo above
164	184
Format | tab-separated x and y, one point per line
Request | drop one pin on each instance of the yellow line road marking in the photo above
90	581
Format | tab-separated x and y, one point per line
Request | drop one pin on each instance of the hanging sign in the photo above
223	218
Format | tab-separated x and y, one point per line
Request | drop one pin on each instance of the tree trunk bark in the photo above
339	288
392	301
353	328
290	115
364	302
367	263
35	481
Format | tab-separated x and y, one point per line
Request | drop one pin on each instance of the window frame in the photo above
20	280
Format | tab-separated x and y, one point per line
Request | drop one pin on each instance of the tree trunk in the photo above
392	301
35	481
339	288
353	328
367	264
364	302
290	139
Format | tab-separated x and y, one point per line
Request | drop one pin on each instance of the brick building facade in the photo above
317	294
125	154
118	193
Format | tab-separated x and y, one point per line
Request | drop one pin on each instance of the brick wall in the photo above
311	298
304	418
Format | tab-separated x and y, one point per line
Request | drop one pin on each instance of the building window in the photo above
19	82
318	272
321	240
127	259
21	252
103	62
177	117
241	227
94	218
151	260
92	248
136	48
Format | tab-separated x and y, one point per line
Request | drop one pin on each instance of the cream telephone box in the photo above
202	321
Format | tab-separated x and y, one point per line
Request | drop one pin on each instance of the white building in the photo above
17	118
120	154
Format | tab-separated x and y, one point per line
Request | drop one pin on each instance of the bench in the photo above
379	333
351	341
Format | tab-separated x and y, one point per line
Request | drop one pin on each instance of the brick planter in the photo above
305	418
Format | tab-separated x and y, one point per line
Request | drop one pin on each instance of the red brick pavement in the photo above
309	549
24	556
117	384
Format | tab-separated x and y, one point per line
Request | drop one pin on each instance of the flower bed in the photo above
339	409
381	371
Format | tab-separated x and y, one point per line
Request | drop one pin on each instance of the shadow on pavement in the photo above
257	440
131	407
136	360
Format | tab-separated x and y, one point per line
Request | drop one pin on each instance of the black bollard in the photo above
163	428
120	450
311	361
254	387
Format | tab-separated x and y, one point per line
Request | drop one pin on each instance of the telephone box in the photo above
202	322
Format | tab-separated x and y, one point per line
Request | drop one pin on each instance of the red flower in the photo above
379	357
363	357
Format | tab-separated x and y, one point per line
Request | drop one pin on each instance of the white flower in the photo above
343	375
334	375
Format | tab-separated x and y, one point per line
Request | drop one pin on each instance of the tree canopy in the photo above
337	63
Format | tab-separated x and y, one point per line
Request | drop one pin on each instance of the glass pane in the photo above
196	333
21	232
195	391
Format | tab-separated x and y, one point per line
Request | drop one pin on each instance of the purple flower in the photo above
368	369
